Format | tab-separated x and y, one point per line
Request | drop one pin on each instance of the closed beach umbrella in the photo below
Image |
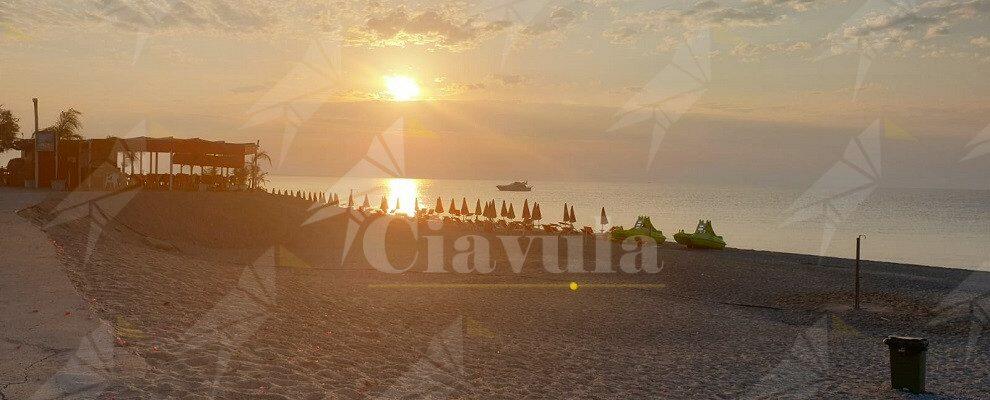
573	218
367	203
604	218
504	211
439	208
512	213
537	214
464	208
350	199
477	207
416	206
384	205
567	215
525	213
453	208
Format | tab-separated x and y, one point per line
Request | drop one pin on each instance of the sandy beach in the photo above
234	295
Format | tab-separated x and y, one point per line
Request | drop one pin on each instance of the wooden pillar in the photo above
79	164
171	171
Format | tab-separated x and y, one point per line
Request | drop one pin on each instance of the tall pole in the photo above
35	135
858	241
254	163
35	100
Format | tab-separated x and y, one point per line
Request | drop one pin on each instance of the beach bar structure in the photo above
67	164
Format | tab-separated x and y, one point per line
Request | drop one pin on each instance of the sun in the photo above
401	88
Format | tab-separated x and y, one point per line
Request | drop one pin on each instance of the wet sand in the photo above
232	295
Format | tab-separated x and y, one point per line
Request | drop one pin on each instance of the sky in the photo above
768	92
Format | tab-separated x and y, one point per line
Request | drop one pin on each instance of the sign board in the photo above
44	141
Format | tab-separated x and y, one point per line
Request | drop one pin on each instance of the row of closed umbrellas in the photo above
488	210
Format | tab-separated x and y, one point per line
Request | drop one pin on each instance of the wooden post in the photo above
79	164
856	300
254	164
171	163
36	158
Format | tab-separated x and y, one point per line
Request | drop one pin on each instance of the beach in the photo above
235	295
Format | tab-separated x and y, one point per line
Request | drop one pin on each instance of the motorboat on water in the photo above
517	186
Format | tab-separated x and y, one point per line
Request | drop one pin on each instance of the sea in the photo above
936	227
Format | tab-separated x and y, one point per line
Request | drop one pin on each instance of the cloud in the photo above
981	42
249	88
149	15
625	34
441	28
750	52
707	13
908	26
510	79
559	19
551	30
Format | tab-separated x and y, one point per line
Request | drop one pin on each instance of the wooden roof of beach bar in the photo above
192	146
160	145
193	151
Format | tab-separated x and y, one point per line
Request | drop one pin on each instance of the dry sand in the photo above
225	295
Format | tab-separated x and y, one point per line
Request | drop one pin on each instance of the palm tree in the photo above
256	176
255	169
262	155
68	124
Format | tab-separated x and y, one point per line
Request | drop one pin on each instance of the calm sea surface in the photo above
948	228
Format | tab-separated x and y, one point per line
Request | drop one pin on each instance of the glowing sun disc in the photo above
401	88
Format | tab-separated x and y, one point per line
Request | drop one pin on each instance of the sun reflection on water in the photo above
403	191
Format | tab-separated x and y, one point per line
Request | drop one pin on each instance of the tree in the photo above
253	170
255	175
9	129
262	155
68	124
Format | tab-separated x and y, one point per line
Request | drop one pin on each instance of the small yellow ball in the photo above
574	286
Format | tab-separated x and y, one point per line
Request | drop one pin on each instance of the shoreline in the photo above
304	207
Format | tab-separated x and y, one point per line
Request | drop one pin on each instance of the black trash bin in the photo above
907	363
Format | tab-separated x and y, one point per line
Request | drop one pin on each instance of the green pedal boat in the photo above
643	228
704	237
